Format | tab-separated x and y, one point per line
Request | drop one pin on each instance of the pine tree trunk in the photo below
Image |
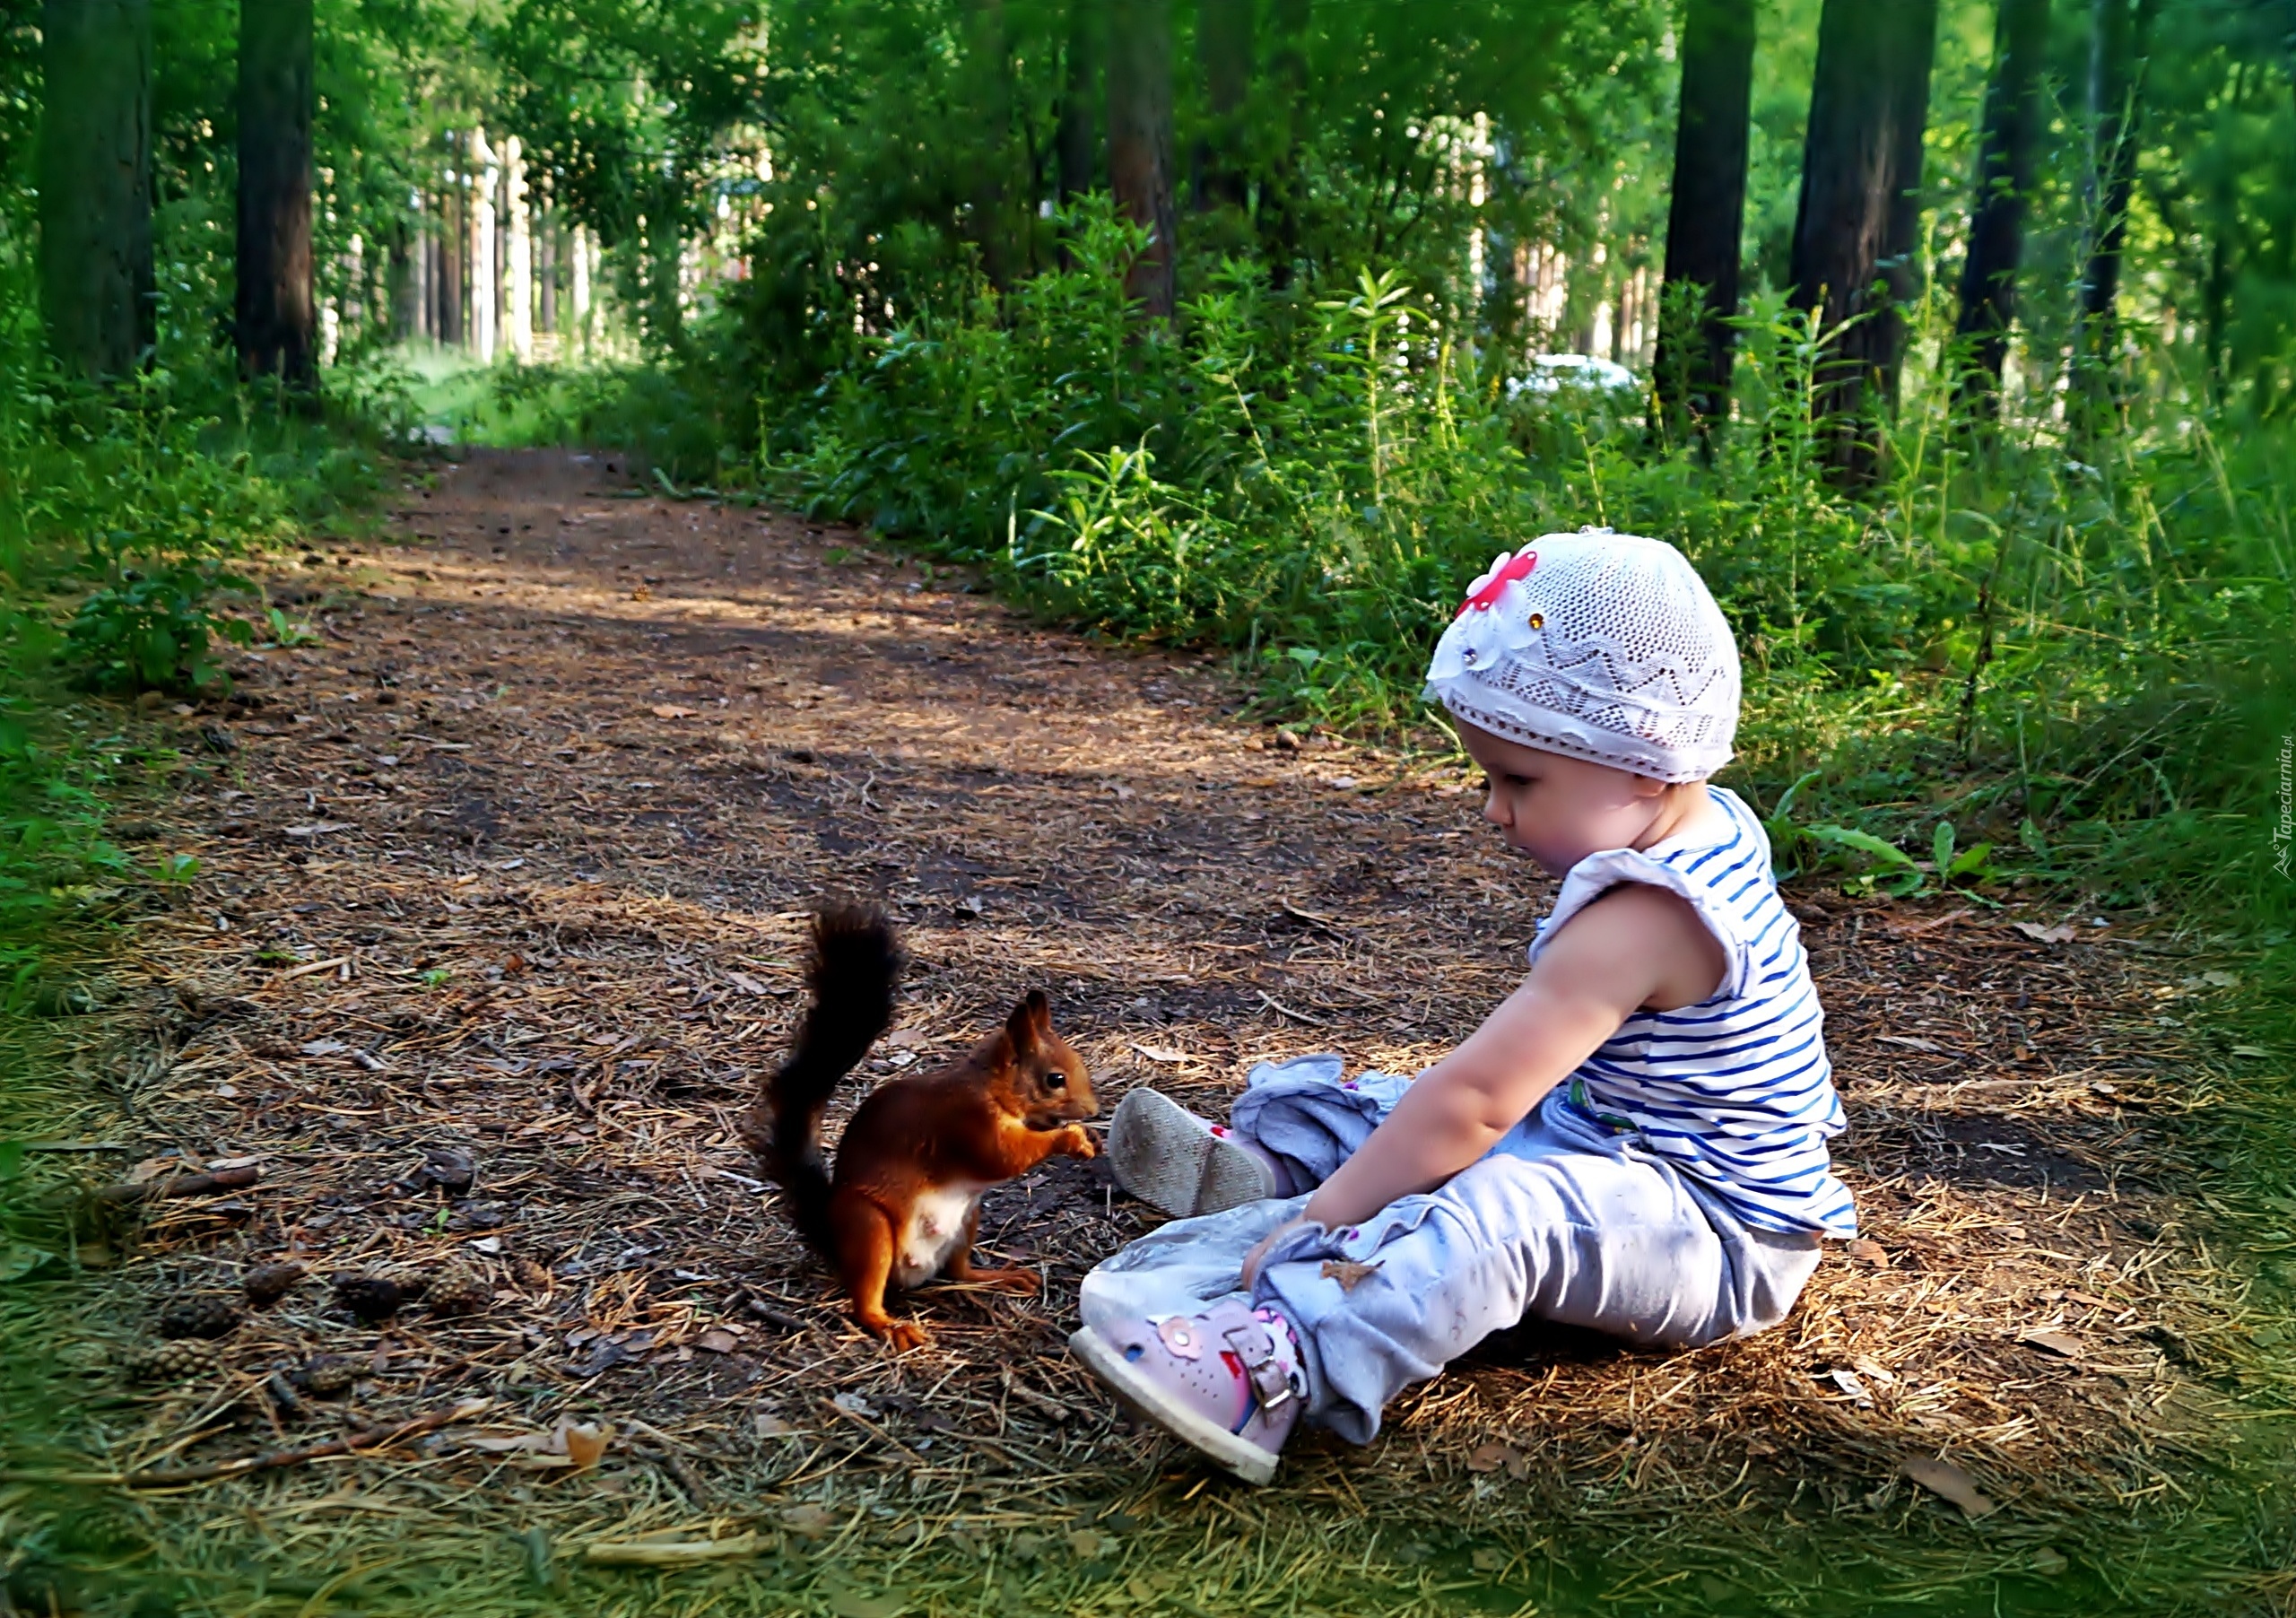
1076	142
519	255
277	308
454	215
1857	216
1287	97
1706	218
96	289
2120	35
1140	144
485	275
1223	52
2014	108
990	70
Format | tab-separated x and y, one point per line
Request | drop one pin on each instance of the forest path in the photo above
551	801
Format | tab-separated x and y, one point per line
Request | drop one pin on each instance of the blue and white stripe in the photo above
1735	1088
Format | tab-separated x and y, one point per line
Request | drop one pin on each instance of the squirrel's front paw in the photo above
1076	1142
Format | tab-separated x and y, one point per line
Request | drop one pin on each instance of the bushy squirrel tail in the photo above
856	964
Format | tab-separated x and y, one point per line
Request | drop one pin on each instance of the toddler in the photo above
1633	1141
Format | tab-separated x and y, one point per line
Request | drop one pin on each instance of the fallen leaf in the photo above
1489	1558
770	1426
2060	934
1349	1273
2057	1342
717	1340
585	1442
1495	1456
903	1039
322	1047
1161	1053
2220	979
809	1519
2048	1562
855	1405
318	829
1947	1482
747	983
1874	1370
1843	1378
671	710
1868	1251
1089	1543
970	905
1910	1041
2253	1052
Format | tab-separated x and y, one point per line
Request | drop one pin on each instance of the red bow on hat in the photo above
1517	567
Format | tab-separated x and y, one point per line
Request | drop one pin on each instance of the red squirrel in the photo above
905	1200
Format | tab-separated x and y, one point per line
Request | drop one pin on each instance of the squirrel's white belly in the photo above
937	1224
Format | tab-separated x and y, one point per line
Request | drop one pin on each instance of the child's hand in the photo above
1253	1259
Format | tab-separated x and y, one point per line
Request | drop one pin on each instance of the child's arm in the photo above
1636	946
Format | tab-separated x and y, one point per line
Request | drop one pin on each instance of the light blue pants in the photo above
1562	1219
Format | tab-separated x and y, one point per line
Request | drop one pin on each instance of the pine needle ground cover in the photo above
495	926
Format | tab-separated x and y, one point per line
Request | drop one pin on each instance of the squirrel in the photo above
904	1202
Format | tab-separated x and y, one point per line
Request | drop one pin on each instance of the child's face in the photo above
1559	809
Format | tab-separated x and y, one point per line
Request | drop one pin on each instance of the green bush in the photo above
154	631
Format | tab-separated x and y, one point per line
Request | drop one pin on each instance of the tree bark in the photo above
1224	53
2120	34
1706	218
1140	144
278	313
96	286
2014	111
1287	96
1857	216
990	70
1076	141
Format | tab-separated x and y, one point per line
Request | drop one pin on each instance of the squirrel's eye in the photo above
1056	1080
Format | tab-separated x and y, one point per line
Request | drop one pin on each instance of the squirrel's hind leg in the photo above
865	1263
959	1267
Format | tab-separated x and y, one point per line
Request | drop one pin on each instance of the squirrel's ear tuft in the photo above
1039	1010
1021	1028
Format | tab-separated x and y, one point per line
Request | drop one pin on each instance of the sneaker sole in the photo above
1246	1460
1157	1148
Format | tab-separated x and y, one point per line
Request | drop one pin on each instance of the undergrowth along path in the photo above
499	920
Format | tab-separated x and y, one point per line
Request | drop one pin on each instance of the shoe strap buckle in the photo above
1255	1346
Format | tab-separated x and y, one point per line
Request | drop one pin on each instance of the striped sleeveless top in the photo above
1735	1090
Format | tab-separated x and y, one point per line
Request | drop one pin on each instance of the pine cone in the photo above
266	1284
372	1298
203	1317
529	1276
327	1375
168	1361
459	1288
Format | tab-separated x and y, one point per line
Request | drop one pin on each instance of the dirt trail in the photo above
510	871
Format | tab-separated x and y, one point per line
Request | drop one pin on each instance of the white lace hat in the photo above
1604	646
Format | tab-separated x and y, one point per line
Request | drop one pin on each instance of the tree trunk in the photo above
1706	218
2120	34
2014	110
485	266
1287	93
278	313
1140	144
990	68
1857	216
1223	52
453	214
1077	140
96	290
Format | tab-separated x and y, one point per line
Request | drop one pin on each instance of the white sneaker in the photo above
1172	1160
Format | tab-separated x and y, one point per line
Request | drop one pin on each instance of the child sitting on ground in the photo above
1634	1141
